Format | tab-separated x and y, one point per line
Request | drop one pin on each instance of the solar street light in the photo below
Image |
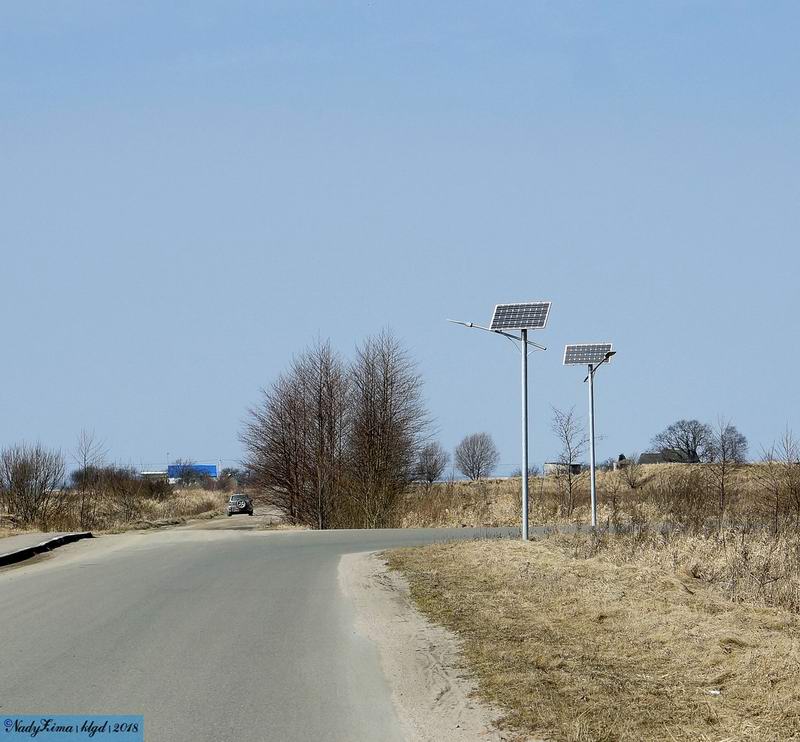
522	317
593	355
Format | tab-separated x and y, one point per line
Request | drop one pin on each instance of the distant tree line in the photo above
476	457
38	489
35	489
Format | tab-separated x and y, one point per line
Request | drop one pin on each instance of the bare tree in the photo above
770	476
476	456
388	422
31	483
727	450
571	435
296	439
333	445
89	456
432	462
690	439
327	393
127	491
787	451
779	476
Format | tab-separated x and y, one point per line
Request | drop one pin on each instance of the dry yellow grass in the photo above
181	506
685	493
588	649
496	502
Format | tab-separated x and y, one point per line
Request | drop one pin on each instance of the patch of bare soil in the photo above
421	660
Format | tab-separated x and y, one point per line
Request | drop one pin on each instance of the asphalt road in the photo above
215	632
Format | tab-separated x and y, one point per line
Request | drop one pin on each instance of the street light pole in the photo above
524	470
592	462
522	317
594	355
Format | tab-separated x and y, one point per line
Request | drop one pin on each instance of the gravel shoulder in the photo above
420	659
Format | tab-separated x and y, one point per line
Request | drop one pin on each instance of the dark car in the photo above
240	504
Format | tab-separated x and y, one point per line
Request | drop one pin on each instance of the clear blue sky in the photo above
191	192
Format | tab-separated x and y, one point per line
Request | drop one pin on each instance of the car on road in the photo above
239	504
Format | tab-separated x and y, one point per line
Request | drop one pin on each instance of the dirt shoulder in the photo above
421	660
586	649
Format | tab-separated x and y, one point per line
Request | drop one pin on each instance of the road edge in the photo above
28	552
420	659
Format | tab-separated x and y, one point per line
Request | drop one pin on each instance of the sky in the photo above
190	193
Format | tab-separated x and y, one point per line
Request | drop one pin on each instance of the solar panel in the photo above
530	316
585	353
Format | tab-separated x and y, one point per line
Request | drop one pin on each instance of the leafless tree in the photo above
333	445
770	476
779	476
691	439
31	483
432	462
327	393
89	456
727	450
787	451
388	423
476	456
126	490
296	438
571	436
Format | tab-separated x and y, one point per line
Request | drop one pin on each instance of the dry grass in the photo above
181	506
494	503
683	493
175	508
751	566
601	648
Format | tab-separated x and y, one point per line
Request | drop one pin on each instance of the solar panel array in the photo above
585	353
530	316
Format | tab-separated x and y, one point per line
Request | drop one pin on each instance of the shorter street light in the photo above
593	355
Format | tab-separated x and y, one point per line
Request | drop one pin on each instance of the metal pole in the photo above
592	465
524	476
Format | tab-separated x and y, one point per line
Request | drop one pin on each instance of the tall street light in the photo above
593	355
522	317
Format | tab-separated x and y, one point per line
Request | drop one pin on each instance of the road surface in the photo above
214	632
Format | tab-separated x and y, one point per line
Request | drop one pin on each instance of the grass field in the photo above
687	494
600	646
109	515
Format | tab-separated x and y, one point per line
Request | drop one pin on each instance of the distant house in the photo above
554	468
667	456
154	475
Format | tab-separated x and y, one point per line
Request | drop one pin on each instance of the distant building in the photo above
554	468
667	456
154	475
179	472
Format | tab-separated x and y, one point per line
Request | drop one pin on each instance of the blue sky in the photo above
190	194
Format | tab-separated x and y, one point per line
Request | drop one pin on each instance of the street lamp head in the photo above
459	322
609	354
